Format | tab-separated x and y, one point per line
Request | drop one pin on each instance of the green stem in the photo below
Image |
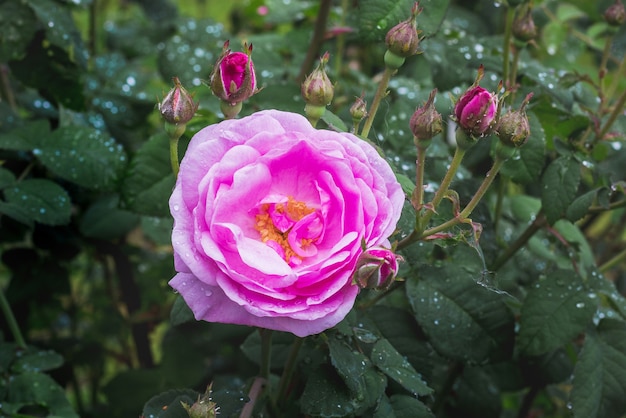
316	40
417	199
459	153
616	79
380	93
465	213
510	16
489	177
613	262
11	321
174	131
617	110
285	379
536	225
341	39
266	352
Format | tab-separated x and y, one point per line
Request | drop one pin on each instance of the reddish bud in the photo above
178	106
513	128
615	15
317	90
403	39
426	121
477	109
233	79
524	28
376	268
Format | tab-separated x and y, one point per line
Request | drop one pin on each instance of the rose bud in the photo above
403	40
513	128
376	268
233	79
426	121
477	109
524	28
358	110
178	106
615	15
317	90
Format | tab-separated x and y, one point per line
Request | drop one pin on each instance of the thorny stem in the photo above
285	379
466	212
459	153
380	93
510	15
11	321
617	110
418	193
258	385
316	40
617	259
538	223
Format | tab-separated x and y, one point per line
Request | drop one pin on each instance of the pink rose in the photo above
476	111
271	216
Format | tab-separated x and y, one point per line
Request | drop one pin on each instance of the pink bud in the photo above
376	268
178	106
233	79
476	111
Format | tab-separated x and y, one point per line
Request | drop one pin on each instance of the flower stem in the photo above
536	225
466	212
510	15
417	199
316	40
617	110
285	379
459	153
613	262
258	385
266	352
174	131
11	321
380	93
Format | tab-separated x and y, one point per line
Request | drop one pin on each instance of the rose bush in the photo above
271	216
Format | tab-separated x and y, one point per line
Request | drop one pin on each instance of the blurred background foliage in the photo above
85	179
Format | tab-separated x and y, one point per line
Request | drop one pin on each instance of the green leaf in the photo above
477	395
6	178
281	346
104	220
378	16
325	395
580	205
60	28
37	200
558	187
168	404
364	382
150	180
525	168
599	387
464	319
334	122
26	137
180	312
37	389
83	155
393	364
37	361
18	25
555	311
402	406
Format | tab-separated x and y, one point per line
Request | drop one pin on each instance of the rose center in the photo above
290	228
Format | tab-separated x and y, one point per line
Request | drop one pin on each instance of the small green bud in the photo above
426	122
513	127
403	39
317	90
524	28
359	109
204	407
178	107
615	15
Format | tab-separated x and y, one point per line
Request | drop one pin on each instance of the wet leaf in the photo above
37	200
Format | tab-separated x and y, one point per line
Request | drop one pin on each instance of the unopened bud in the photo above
615	15
233	79
524	28
476	110
178	107
359	109
376	268
204	407
426	121
513	128
403	39
317	90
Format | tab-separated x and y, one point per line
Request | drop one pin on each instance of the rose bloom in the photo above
476	111
270	216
